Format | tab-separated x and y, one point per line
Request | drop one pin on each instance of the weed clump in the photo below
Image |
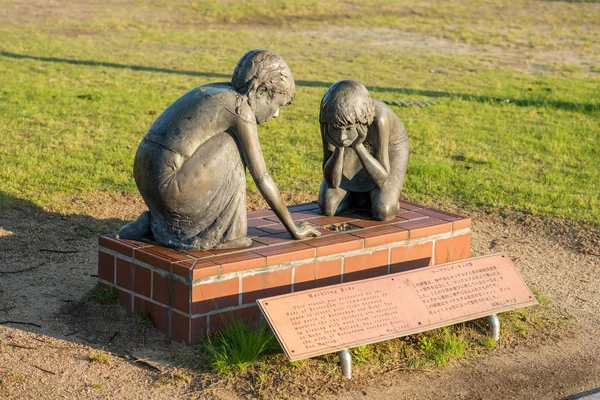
238	346
99	357
103	295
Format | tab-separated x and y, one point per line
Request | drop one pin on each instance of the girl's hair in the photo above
347	103
262	70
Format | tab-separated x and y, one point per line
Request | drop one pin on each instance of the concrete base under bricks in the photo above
189	293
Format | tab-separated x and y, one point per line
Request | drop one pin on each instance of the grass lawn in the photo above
515	123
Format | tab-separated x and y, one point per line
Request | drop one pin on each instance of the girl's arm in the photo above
247	136
377	166
333	161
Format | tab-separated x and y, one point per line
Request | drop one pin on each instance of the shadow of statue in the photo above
521	102
48	283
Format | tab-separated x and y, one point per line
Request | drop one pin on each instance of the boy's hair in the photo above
266	69
347	103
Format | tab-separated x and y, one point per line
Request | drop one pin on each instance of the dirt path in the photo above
53	360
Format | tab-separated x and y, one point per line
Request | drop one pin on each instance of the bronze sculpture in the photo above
365	152
190	166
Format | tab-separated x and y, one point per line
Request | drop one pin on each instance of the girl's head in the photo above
263	79
346	111
347	103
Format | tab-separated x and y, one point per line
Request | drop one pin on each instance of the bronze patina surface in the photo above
190	168
365	152
321	321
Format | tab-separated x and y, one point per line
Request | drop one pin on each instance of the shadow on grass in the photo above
557	104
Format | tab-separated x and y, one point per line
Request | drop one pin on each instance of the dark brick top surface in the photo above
270	238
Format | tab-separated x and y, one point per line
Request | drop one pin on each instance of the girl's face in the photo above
266	108
341	137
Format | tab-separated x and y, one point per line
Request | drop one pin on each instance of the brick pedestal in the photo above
189	293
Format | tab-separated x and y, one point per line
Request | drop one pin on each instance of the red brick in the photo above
171	292
142	282
106	267
272	229
410	215
425	227
381	235
180	295
286	253
180	327
255	232
324	220
124	299
125	274
335	244
409	205
369	223
443	215
159	257
197	253
136	244
117	245
405	258
157	313
323	273
297	216
216	295
274	239
365	266
260	214
266	285
303	207
183	268
160	289
205	268
257	223
198	329
239	262
452	249
218	252
461	223
248	315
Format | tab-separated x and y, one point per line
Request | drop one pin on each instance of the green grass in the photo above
99	357
237	362
103	295
238	346
81	88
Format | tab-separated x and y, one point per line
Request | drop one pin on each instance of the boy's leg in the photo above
332	201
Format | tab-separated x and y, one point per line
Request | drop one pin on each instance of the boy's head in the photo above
263	72
345	104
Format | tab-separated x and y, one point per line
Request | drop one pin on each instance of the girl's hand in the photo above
305	230
362	134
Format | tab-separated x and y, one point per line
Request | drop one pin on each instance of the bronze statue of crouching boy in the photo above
365	152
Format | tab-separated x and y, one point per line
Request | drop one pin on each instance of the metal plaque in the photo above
329	319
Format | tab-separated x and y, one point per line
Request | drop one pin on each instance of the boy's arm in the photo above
378	167
333	161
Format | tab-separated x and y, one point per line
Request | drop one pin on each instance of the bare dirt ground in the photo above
48	263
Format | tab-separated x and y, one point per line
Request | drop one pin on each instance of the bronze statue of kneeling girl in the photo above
365	152
190	166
